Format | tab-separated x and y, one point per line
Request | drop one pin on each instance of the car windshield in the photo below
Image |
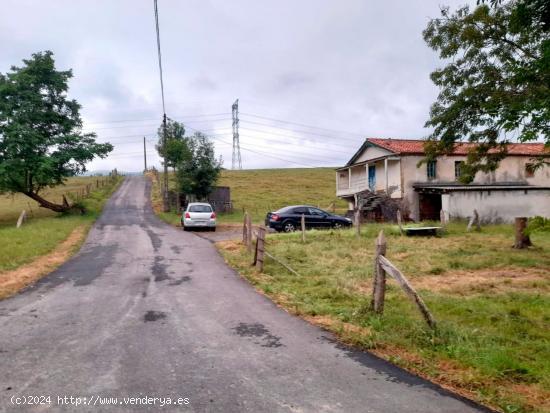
200	208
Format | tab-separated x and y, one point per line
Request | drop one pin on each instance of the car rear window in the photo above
283	210
300	210
200	208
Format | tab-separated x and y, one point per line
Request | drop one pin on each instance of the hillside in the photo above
261	190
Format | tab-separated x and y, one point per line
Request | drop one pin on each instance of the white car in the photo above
199	215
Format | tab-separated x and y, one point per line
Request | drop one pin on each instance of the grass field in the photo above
491	302
259	191
44	230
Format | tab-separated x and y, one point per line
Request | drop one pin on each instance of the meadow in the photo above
491	302
44	230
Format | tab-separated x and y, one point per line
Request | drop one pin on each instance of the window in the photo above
529	170
315	211
458	168
200	208
431	167
300	211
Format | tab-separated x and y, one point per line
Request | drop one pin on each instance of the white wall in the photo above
372	152
497	206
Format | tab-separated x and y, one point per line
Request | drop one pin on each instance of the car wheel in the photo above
185	228
337	225
289	226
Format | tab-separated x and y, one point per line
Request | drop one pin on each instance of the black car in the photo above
289	218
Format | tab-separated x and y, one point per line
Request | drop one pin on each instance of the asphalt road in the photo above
146	310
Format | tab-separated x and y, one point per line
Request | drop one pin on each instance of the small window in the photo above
458	168
300	211
431	168
529	170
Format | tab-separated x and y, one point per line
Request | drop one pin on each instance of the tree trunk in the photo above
522	240
47	204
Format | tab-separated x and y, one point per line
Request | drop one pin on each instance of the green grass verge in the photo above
493	334
44	230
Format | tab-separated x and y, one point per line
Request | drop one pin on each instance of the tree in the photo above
198	173
496	82
177	148
41	138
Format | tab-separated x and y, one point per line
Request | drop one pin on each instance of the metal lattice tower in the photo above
236	160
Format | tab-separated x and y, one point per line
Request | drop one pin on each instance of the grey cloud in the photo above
352	65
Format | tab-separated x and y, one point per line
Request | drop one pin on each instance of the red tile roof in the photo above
416	147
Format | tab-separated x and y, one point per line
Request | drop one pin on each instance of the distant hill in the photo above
263	190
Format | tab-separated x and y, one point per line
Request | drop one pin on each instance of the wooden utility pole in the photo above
144	155
166	204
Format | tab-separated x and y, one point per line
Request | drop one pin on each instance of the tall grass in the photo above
492	340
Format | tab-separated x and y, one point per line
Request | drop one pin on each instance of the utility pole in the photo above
236	160
144	154
166	204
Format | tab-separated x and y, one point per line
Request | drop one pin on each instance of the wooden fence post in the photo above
30	209
22	217
443	219
379	277
260	249
303	224
399	221
245	229
474	220
358	221
522	240
249	232
391	270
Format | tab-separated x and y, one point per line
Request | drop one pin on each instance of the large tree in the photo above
176	149
198	173
495	86
41	138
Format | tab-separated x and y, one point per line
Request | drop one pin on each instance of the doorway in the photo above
430	207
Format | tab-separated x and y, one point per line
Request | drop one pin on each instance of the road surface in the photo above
147	310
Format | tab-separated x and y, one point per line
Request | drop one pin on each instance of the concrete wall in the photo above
497	206
511	169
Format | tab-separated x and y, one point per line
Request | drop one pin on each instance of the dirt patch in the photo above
479	281
15	280
497	281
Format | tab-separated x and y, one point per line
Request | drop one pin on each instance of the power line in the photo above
150	119
254	151
302	124
159	54
304	132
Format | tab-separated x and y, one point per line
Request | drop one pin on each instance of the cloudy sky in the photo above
313	77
